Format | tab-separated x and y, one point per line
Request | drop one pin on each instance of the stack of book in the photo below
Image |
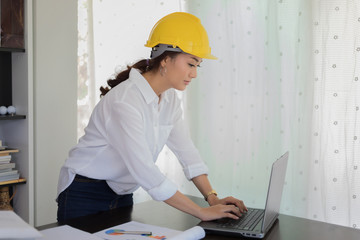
7	168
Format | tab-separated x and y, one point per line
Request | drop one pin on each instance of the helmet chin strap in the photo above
161	48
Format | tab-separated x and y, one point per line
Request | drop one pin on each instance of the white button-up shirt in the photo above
126	132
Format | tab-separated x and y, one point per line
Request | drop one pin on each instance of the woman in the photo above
132	123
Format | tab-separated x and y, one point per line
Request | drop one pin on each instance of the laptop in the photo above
256	222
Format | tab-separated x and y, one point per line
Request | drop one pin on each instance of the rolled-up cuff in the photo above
164	191
195	170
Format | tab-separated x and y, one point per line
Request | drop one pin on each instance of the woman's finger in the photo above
238	203
230	215
233	209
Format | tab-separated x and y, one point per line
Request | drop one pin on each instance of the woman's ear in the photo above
164	61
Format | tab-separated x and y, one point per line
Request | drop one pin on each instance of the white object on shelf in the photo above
11	110
3	110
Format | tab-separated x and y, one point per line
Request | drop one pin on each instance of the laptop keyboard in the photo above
247	221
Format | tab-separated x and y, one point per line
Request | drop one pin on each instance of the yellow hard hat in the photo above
181	30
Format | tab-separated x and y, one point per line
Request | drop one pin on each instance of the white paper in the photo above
194	233
66	233
159	233
13	227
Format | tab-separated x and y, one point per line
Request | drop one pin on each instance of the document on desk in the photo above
65	233
13	227
161	233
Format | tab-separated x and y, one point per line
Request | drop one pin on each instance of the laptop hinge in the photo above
270	224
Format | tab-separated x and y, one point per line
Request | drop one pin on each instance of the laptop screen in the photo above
276	184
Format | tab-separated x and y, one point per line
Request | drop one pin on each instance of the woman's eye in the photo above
192	65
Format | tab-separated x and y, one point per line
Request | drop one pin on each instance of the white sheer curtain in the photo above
255	103
287	78
334	188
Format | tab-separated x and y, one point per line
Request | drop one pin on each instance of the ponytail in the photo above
143	66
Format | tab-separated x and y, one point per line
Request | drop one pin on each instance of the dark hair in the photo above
144	65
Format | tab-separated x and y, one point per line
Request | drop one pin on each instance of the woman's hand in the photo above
214	200
219	211
204	186
183	203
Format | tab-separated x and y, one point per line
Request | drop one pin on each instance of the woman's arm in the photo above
204	186
183	203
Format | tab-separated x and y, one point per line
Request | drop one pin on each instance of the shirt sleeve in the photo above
125	129
183	147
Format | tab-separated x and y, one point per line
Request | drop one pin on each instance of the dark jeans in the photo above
87	196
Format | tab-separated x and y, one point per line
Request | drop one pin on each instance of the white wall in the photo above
55	96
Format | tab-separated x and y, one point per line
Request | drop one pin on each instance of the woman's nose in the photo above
193	73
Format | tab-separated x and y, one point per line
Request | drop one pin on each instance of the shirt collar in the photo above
145	88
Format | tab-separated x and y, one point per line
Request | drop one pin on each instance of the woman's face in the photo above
181	70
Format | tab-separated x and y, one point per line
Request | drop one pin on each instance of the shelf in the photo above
12	117
7	49
7	151
12	182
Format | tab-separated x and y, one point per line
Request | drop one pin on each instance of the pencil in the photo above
136	232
